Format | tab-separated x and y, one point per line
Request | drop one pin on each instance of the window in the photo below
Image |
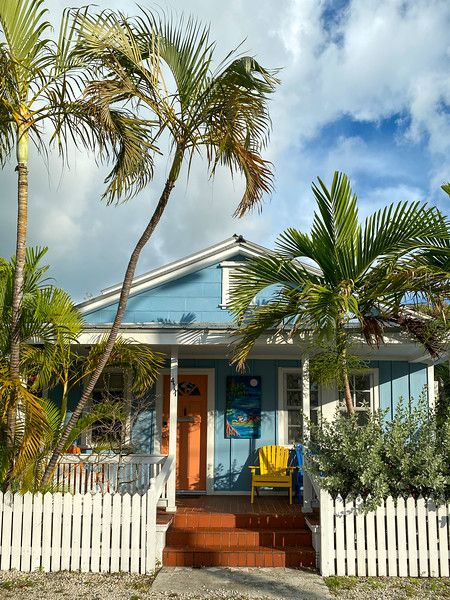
227	269
113	430
293	406
362	386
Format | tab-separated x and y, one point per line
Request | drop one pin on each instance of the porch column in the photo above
305	395
307	485
173	417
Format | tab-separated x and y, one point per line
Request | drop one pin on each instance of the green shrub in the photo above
408	455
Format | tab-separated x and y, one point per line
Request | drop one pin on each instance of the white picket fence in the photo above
98	532
400	538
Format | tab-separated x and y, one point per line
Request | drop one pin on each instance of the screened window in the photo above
293	404
111	391
362	390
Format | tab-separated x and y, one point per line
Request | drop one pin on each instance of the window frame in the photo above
283	410
86	437
374	389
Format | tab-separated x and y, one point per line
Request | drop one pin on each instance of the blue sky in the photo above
365	89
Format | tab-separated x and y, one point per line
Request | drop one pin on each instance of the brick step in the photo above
233	538
191	520
239	557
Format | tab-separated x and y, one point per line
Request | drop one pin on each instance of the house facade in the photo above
223	416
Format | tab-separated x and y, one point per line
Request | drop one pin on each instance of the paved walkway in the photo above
227	582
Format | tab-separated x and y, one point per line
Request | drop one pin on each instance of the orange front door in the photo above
191	430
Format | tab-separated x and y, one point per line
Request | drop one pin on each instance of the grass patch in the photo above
17	584
394	587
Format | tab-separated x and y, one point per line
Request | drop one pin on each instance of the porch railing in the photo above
108	473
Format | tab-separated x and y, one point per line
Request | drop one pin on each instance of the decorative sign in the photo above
243	407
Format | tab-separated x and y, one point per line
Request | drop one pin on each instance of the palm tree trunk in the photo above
342	344
347	392
124	293
17	292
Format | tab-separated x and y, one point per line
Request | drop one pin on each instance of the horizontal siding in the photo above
194	298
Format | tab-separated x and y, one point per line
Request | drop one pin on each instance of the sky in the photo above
365	89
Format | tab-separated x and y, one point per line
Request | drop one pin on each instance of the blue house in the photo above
223	416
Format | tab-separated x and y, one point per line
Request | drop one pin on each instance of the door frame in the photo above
210	420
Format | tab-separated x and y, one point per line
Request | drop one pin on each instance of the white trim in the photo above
210	421
430	386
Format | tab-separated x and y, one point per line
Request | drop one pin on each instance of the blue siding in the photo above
399	379
194	298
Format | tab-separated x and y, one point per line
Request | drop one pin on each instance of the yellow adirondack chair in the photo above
273	470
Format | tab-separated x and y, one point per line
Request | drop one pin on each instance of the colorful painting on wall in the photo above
243	407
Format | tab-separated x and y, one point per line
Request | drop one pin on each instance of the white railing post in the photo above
173	418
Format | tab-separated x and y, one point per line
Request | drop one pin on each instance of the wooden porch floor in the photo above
238	505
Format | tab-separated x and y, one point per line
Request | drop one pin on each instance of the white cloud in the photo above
377	58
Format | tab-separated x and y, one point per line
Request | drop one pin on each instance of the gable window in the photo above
291	431
227	268
364	390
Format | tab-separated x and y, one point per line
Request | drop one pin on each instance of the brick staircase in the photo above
206	539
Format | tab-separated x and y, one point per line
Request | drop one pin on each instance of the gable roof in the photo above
179	268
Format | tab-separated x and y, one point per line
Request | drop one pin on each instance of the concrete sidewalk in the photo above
228	582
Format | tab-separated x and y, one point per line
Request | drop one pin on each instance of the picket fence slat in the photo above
443	540
370	544
135	532
350	537
401	538
56	534
412	537
6	531
66	538
106	534
86	533
16	531
398	538
76	532
97	502
115	532
125	538
433	550
422	537
360	539
381	540
25	564
340	536
391	537
36	541
47	515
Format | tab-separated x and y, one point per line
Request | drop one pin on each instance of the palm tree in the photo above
362	275
39	82
49	326
219	112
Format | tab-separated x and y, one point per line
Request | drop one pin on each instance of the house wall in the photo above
194	298
233	456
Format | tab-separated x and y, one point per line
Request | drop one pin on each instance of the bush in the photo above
408	455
